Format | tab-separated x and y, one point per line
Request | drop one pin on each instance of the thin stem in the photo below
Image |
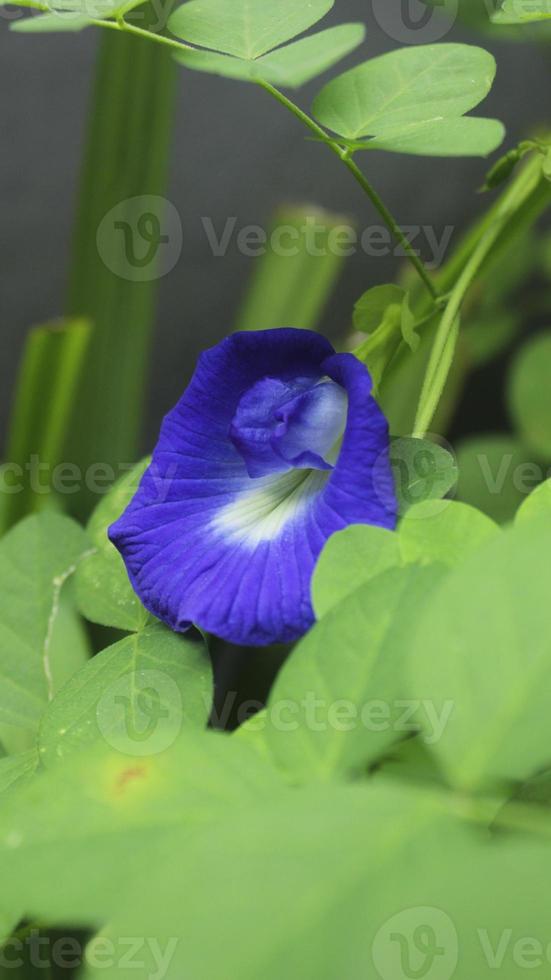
125	27
391	224
446	336
169	42
344	156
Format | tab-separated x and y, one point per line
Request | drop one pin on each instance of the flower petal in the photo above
204	542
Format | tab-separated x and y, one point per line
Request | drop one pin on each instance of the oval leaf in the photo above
411	85
137	696
245	28
103	591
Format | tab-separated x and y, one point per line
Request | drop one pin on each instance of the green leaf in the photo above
15	772
505	166
8	923
384	313
522	12
31	4
36	558
349	559
292	284
137	695
337	703
288	67
214	63
411	760
301	61
448	535
53	23
98	9
103	590
422	471
377	304
363	881
79	843
70	649
474	13
412	85
495	475
70	642
466	136
537	504
444	532
330	883
244	28
530	394
80	832
483	647
253	733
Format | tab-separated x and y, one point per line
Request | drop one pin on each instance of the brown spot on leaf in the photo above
129	775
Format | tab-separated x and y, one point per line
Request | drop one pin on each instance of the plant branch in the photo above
376	200
343	154
445	340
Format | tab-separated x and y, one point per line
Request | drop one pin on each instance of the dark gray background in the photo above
235	153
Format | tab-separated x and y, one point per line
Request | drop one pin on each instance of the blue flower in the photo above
276	444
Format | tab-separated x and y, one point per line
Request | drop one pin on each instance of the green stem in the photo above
319	132
125	168
46	393
376	200
443	348
128	28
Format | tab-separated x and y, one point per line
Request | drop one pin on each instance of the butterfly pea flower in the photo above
276	444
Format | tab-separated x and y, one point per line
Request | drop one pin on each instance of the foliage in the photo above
388	808
126	767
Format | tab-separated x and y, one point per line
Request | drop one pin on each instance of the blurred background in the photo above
236	157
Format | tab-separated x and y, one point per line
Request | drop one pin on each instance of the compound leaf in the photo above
245	28
412	85
137	695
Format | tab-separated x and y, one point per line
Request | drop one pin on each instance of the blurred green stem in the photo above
45	395
291	287
512	202
126	157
